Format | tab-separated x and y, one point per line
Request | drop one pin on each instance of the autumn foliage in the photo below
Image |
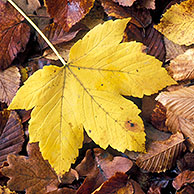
105	108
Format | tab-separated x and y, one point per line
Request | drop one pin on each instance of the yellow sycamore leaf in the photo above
87	92
177	23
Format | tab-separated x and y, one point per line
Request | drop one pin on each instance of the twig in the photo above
39	31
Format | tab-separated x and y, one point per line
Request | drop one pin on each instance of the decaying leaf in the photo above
33	174
161	155
182	67
4	115
9	84
183	178
125	2
99	168
87	92
119	184
11	138
149	4
68	13
140	16
56	34
180	112
177	23
28	6
149	37
173	49
186	163
14	34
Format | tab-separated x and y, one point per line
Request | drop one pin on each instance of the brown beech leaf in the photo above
9	84
56	34
186	190
183	178
186	163
173	49
99	169
14	34
149	4
5	190
119	184
28	6
158	117
149	37
182	67
33	174
180	112
139	16
4	115
11	138
125	2
161	155
68	13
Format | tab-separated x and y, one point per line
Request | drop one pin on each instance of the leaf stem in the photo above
39	31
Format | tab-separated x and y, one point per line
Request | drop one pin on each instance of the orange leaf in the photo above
14	34
33	174
125	2
68	13
161	155
11	138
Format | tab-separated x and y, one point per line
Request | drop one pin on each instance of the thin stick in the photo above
39	31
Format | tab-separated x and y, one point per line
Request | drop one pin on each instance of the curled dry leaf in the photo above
140	16
183	178
14	34
182	67
68	13
11	139
125	2
180	112
161	155
186	190
177	23
41	177
119	184
186	163
99	168
4	115
9	84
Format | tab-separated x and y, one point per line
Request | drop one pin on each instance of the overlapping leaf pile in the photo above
88	97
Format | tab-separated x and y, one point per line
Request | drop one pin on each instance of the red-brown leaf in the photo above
11	139
14	34
68	13
33	174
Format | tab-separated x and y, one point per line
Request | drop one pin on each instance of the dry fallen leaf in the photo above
14	34
140	16
11	138
186	163
183	178
180	112
9	84
173	49
99	168
56	34
33	174
68	13
161	155
149	4
4	115
125	2
177	23
182	67
28	6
